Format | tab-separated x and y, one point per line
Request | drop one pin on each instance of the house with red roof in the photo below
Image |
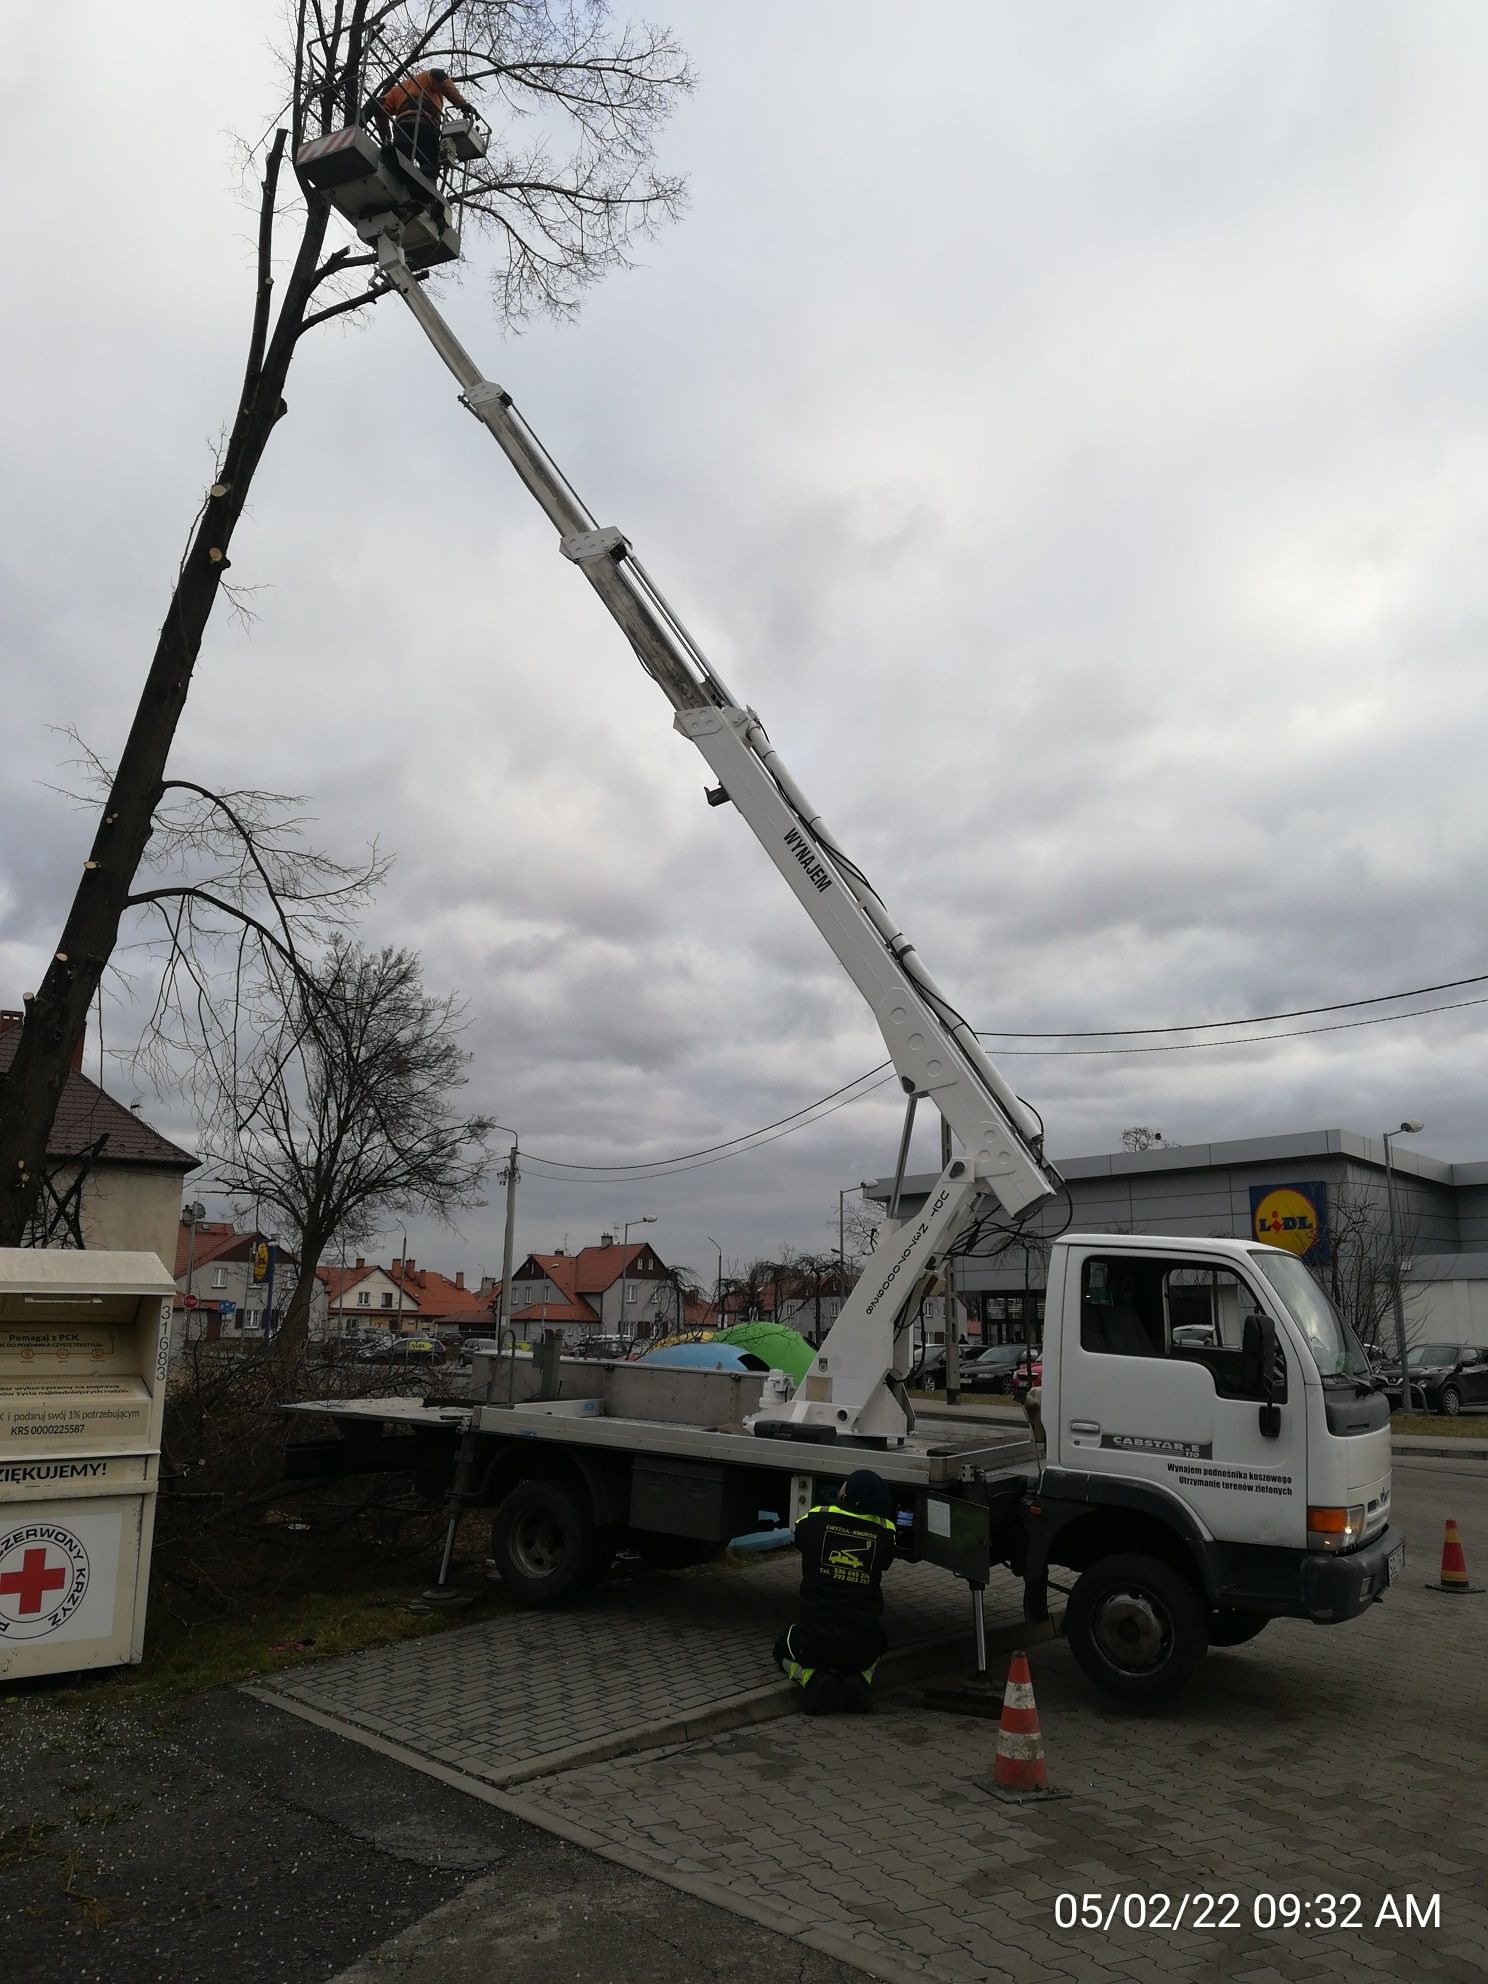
608	1290
403	1296
444	1302
227	1302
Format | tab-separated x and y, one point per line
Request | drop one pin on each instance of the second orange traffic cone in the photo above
1020	1771
1453	1564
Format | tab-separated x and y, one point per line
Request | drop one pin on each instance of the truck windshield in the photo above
1333	1343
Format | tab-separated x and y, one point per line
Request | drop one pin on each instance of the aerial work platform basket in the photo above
378	186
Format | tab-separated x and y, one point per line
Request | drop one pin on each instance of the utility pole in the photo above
503	1300
953	1348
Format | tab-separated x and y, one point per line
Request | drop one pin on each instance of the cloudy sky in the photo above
1064	423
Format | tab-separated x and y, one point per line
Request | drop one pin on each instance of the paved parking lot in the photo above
1311	1763
645	1660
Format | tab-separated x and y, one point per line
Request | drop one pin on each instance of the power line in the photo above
1244	1040
645	1163
640	1169
1255	1019
643	1173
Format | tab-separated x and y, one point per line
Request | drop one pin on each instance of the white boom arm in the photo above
854	1389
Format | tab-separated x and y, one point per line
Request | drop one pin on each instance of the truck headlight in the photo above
1335	1529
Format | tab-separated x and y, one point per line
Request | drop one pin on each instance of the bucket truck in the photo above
1196	1483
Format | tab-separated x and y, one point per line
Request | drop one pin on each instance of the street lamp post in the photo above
646	1219
190	1215
718	1284
402	1277
1405	1130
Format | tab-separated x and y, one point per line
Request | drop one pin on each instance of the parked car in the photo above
404	1350
927	1372
991	1370
1444	1377
601	1346
1025	1376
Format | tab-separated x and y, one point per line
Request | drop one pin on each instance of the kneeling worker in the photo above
846	1546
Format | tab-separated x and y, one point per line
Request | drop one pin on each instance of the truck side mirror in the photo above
1259	1352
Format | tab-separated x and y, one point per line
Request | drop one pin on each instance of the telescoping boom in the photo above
854	1390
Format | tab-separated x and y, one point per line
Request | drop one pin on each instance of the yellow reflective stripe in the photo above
852	1515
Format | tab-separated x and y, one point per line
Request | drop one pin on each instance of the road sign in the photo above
191	1302
227	1311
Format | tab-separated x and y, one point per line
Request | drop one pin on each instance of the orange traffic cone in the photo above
1019	1772
1453	1564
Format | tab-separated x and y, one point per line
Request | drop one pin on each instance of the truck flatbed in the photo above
940	1455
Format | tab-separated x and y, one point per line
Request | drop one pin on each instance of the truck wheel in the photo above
1235	1628
1137	1627
1451	1401
544	1542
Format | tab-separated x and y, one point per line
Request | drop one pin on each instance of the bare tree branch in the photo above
258	336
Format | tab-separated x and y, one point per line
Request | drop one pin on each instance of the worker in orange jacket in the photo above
409	111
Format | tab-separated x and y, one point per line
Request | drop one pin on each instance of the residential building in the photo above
218	1270
111	1180
1323	1193
608	1290
442	1302
365	1296
403	1296
805	1299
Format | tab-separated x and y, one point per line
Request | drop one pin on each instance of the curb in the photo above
901	1668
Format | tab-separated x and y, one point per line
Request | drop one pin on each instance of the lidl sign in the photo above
1292	1216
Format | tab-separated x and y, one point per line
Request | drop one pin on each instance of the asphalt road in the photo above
223	1842
1424	1492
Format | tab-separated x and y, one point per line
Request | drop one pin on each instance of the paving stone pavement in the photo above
1314	1762
1311	1762
640	1660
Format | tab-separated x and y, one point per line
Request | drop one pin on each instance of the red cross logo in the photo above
44	1578
31	1583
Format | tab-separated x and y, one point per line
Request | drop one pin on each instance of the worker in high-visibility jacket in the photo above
409	116
834	1646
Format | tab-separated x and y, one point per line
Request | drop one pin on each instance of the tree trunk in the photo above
294	1332
57	1014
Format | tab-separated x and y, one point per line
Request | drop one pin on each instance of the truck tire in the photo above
1235	1628
545	1542
1451	1401
1137	1627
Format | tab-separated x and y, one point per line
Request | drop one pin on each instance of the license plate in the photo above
1395	1566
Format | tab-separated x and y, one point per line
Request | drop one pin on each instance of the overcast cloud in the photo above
1065	424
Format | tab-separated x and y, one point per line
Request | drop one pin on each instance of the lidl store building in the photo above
1322	1193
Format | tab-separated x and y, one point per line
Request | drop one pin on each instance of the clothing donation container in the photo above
84	1354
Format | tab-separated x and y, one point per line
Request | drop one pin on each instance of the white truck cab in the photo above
1204	1409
